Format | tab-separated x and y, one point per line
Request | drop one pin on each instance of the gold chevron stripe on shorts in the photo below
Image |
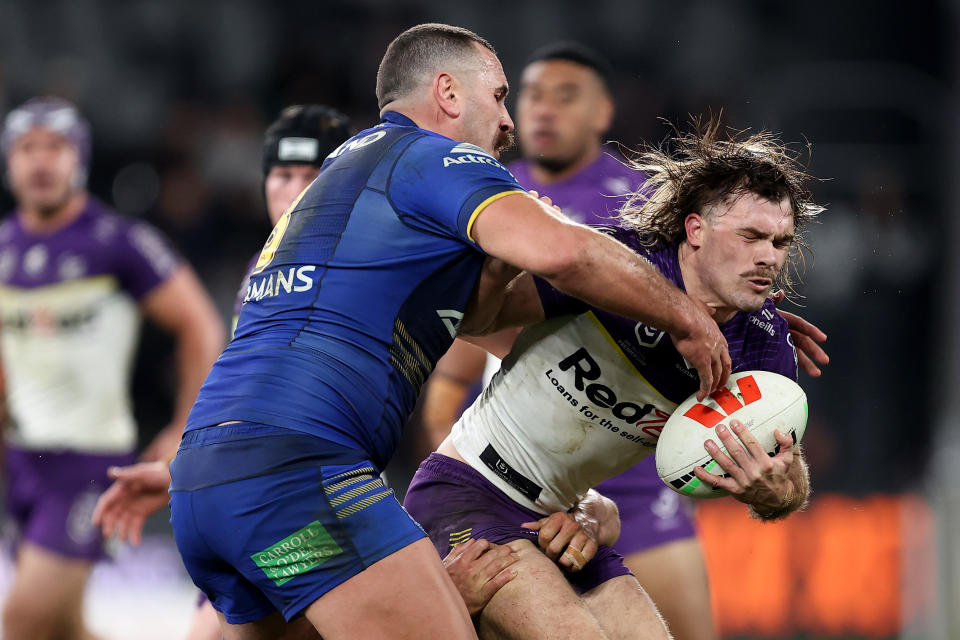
363	504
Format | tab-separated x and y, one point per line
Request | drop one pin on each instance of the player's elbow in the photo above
563	264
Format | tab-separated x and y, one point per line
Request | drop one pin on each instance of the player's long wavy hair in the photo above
709	166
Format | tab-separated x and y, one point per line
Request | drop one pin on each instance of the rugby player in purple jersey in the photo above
75	280
583	393
564	109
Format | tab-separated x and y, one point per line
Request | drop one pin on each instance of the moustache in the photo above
761	273
505	141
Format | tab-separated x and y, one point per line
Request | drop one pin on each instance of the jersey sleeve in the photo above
557	303
441	186
144	259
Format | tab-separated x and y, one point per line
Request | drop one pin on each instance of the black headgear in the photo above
304	134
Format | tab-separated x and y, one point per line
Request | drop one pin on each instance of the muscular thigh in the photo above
405	596
675	576
625	611
538	603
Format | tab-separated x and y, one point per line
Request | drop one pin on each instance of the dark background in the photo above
179	93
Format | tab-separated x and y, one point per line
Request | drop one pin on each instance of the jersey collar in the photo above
397	118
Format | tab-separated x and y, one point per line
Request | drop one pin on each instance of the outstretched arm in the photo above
528	234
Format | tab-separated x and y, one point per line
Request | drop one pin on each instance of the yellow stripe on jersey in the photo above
613	343
483	205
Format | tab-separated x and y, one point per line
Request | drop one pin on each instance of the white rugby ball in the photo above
761	400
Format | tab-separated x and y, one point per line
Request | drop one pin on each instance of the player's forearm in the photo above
611	276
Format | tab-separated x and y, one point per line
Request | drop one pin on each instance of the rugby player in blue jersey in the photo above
276	502
294	147
75	280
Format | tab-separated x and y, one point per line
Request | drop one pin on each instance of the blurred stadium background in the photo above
179	93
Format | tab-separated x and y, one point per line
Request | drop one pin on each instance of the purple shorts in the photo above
454	503
651	514
51	496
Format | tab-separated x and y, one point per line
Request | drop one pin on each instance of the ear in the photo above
693	224
446	92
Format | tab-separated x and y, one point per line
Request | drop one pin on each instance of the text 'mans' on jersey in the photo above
359	290
583	396
592	195
68	327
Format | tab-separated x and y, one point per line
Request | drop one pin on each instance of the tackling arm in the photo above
527	233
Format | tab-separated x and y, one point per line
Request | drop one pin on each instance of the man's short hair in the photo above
419	50
578	54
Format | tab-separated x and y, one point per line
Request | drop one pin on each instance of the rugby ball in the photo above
761	400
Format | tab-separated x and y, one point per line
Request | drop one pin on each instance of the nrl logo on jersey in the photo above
648	336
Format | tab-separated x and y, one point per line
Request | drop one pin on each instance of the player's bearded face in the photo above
744	246
42	167
488	124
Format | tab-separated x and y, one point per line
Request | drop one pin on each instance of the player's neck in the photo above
549	175
43	223
697	288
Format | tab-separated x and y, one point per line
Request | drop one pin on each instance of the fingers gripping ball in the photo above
761	400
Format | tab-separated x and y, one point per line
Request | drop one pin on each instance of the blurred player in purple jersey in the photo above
564	108
75	279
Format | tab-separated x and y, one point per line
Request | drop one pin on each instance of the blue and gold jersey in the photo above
359	290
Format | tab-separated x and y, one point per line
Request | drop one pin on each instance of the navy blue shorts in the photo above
269	519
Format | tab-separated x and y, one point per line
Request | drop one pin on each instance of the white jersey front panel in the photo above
566	410
67	352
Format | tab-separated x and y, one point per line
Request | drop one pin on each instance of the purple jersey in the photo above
591	196
582	396
68	308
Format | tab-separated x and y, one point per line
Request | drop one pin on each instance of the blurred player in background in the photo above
75	279
564	109
583	394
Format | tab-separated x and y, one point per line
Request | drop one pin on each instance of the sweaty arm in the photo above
181	306
524	232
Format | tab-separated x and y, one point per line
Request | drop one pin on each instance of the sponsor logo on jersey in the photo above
748	392
586	378
280	282
451	320
298	553
357	143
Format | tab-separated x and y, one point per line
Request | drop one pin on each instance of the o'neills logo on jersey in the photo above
586	376
279	282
